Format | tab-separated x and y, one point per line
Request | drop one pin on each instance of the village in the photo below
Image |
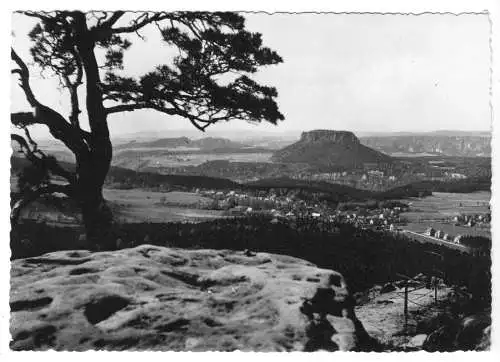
472	220
299	213
462	220
290	208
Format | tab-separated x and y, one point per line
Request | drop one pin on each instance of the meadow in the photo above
437	211
130	206
133	206
444	204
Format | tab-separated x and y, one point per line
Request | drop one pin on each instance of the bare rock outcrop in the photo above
346	138
156	298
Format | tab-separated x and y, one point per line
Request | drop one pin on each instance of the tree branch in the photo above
28	197
20	119
112	20
133	107
139	23
58	126
175	111
37	14
24	78
50	163
75	108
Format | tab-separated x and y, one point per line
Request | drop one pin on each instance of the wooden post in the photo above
406	308
435	292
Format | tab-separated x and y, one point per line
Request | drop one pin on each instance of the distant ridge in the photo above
448	133
332	149
207	143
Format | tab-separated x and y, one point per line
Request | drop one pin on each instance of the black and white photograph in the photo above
249	181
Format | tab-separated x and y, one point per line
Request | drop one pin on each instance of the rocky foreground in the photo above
155	298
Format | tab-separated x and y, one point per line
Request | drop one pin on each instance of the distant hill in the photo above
210	143
331	149
162	142
205	144
442	143
124	178
451	133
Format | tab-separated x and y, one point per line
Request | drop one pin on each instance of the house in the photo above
439	234
457	239
457	176
277	214
237	211
430	231
376	173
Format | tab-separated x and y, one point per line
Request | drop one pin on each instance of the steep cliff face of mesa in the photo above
156	298
339	137
329	148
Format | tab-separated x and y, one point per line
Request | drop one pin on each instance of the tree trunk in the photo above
93	168
97	217
92	172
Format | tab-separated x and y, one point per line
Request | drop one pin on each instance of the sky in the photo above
357	72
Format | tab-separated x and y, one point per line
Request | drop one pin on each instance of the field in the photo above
147	206
133	206
443	205
437	210
174	198
131	159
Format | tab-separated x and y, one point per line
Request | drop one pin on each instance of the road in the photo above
429	239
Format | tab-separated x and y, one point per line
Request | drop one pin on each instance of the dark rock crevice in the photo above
30	304
98	310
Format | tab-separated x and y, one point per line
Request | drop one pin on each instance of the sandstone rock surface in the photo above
155	298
